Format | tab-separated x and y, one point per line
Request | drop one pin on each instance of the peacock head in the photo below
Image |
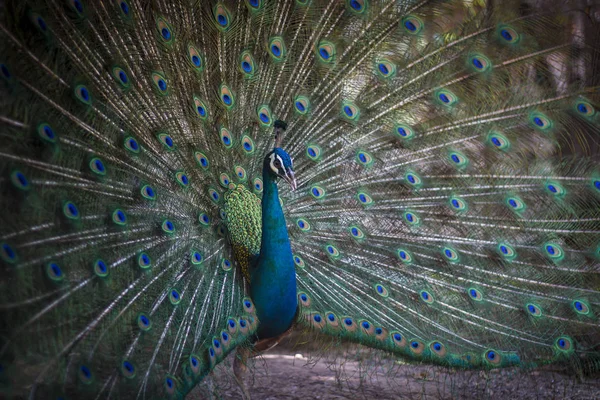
280	164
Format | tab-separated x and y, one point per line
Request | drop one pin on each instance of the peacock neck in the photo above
275	238
273	283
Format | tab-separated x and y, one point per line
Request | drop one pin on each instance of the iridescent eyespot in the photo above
128	370
131	144
357	6
458	204
97	166
366	327
438	349
224	180
540	121
364	198
160	82
326	52
121	77
479	62
119	217
364	158
350	111
411	218
222	17
564	344
398	339
533	310
555	189
201	159
445	97
554	251
84	374
304	299
492	357
5	72
248	305
498	141
404	255
508	35
412	24
264	116
83	94
313	152
195	58
226	137
450	254
299	261
581	307
40	23
182	179
475	294
240	173
168	226
458	159
317	192
596	184
214	195
417	347
585	109
46	133
18	179
348	324
247	145
276	48
203	219
332	251
226	264
413	179
403	131
54	272
247	64
356	233
257	185
506	251
227	97
8	253
144	261
174	297
303	224
164	30
385	68
426	296
77	6
100	269
166	140
144	322
381	290
124	7
200	109
515	204
70	210
254	5
301	105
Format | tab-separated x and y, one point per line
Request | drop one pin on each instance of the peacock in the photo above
185	179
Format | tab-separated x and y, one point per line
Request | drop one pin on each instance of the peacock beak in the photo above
291	179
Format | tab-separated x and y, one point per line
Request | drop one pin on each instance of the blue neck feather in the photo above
273	283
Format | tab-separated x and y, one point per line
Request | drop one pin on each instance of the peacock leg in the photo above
240	368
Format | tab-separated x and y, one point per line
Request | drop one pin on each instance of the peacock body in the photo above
447	204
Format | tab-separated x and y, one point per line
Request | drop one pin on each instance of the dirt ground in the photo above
359	373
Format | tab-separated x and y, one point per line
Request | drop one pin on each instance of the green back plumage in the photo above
448	183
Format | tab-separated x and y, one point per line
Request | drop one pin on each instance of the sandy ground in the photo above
283	373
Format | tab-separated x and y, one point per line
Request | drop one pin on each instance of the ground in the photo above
358	373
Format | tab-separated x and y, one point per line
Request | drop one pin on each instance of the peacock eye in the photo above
277	164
